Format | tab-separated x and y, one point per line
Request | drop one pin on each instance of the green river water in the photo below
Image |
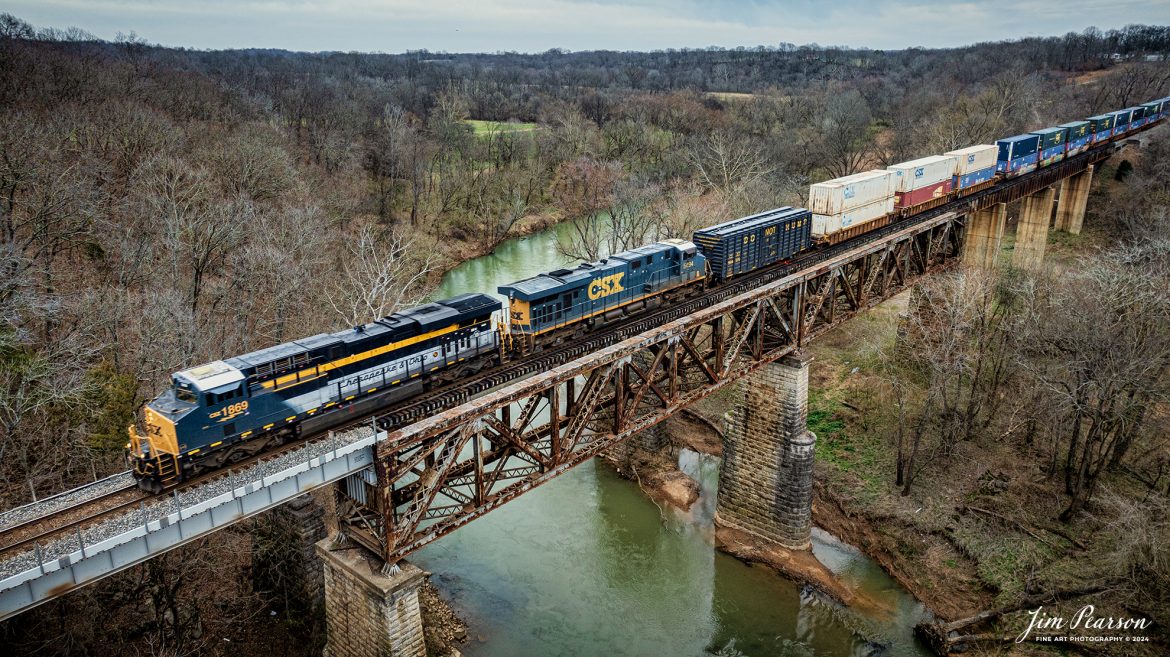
588	565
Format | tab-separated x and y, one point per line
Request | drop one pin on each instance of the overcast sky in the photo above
537	25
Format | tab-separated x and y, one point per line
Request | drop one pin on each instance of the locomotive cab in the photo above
215	392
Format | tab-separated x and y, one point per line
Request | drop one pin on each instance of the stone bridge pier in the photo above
765	482
370	610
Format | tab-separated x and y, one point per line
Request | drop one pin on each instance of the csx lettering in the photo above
605	286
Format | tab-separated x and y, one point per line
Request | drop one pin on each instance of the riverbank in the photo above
966	539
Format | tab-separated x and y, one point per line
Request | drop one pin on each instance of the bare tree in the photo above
381	273
1106	327
726	160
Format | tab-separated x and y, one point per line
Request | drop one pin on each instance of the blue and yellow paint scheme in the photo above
229	409
596	291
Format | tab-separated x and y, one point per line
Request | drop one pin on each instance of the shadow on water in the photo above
588	565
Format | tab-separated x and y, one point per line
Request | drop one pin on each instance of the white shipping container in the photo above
923	172
973	158
841	194
827	224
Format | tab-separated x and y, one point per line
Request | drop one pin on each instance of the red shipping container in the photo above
919	196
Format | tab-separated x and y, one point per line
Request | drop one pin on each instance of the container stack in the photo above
1052	144
1078	137
844	203
974	165
919	181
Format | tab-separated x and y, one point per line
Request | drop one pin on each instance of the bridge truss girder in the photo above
438	474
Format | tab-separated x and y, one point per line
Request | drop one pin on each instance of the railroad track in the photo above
25	533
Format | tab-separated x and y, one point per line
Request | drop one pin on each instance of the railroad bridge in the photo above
409	476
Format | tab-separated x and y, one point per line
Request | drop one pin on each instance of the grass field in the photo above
485	127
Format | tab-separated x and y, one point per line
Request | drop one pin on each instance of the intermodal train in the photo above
221	412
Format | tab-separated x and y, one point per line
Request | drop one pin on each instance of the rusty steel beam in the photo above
442	472
439	473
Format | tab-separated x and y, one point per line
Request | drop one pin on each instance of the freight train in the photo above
221	412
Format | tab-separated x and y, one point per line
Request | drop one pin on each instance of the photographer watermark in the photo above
1084	626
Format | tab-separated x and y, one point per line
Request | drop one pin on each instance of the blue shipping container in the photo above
972	178
1138	118
1017	155
1079	136
1052	141
1101	127
1121	121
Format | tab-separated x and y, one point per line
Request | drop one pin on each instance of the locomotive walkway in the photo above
410	476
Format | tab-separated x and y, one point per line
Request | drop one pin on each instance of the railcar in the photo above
1052	145
1101	128
1077	138
851	205
226	410
749	243
1121	119
974	168
595	293
923	183
1017	155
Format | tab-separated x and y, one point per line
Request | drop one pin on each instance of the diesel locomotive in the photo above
224	411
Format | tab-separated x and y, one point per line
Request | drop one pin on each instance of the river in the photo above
588	565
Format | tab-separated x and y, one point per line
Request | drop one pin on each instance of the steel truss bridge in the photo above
436	475
414	475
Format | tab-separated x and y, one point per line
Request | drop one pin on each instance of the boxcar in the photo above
1078	137
1017	155
610	288
749	243
1052	144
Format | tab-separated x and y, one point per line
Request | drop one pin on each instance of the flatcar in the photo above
226	410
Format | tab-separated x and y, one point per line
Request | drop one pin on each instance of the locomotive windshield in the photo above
186	395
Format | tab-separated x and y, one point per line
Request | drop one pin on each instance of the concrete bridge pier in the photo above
984	236
370	612
765	482
1032	231
1074	198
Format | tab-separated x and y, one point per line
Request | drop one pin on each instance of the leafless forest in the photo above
163	207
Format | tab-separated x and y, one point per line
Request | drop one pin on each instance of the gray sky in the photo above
537	25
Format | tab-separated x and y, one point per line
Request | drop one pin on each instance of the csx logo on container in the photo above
970	159
605	286
919	172
849	192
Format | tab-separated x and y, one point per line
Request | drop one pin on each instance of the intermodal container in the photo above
842	194
973	165
1153	111
1121	121
826	224
1052	141
1100	127
1078	137
748	243
1017	155
921	180
1138	119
